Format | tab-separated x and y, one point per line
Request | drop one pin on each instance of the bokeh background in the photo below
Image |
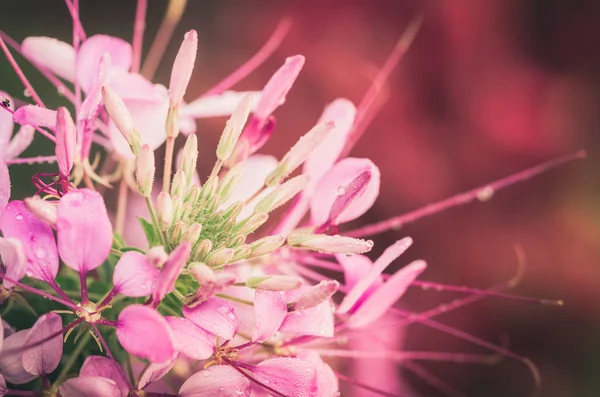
487	89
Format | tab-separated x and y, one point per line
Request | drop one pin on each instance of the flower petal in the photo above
356	268
36	116
3	389
20	142
289	376
214	315
133	327
170	271
92	50
217	105
154	372
217	381
134	275
327	382
36	238
191	340
385	296
278	86
335	181
89	386
65	141
52	54
104	367
270	310
11	365
316	321
84	230
389	255
44	358
6	125
4	186
13	257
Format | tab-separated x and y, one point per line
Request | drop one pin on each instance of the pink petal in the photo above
170	271
89	386
356	268
52	54
20	142
3	389
270	310
191	340
92	50
217	381
316	321
134	275
327	382
217	105
335	181
289	376
44	358
11	365
65	141
350	194
36	116
214	315
133	327
13	257
84	230
389	255
4	186
386	295
6	125
36	238
155	372
342	112
104	367
278	86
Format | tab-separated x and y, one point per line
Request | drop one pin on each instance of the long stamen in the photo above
41	293
431	379
74	11
20	73
411	355
238	366
282	29
46	339
138	34
480	193
76	41
372	389
32	160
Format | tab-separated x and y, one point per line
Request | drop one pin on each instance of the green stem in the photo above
155	221
234	299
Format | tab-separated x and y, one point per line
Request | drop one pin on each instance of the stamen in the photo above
463	198
238	366
138	34
74	11
411	355
253	63
20	74
432	380
32	160
41	293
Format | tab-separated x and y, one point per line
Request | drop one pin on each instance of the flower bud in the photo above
164	208
274	92
189	157
233	210
183	67
42	209
240	253
157	256
282	194
192	234
209	188
219	257
177	208
265	245
315	295
193	195
230	182
330	244
203	249
298	153
177	232
179	185
65	141
233	128
121	117
145	169
274	283
252	223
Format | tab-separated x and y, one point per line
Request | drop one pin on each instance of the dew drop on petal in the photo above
19	217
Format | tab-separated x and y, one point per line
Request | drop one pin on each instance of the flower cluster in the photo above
210	303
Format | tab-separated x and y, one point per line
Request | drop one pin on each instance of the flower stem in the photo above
170	147
121	206
155	221
72	358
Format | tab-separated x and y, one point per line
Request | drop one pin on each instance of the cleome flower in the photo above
214	303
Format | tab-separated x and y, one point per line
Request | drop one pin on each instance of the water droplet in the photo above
231	316
370	243
206	373
239	392
19	217
27	93
41	253
341	190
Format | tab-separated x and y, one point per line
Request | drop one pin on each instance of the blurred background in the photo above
488	88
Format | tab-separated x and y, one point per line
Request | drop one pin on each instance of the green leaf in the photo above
152	235
118	242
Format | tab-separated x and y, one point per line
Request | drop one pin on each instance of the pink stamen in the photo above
76	23
110	355
253	63
62	89
74	11
32	160
432	380
237	366
463	198
410	355
138	34
46	295
20	73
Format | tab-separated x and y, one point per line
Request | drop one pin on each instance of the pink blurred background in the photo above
487	89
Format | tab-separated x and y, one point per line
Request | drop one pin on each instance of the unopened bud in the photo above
282	194
164	207
177	208
230	181
157	256
65	141
144	174
233	210
193	194
240	253
177	232
202	273
209	188
233	128
183	67
330	244
42	209
298	153
203	249
274	283
265	245
315	295
179	185
274	92
219	257
252	223
121	117
189	157
192	234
